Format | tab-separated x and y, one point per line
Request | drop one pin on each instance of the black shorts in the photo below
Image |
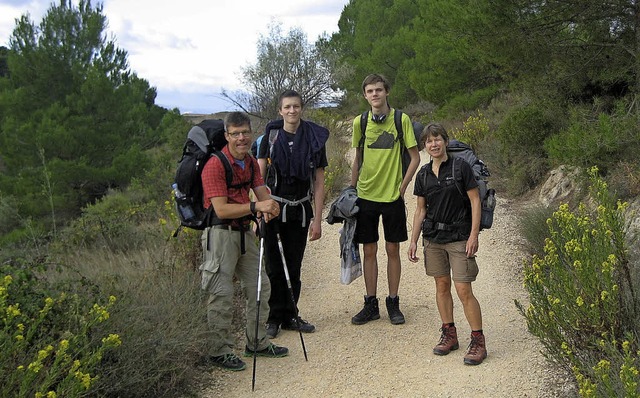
394	221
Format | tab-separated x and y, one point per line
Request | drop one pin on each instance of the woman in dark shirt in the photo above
448	215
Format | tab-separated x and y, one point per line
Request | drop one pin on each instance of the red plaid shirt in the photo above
214	181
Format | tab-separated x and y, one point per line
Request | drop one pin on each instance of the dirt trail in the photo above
382	360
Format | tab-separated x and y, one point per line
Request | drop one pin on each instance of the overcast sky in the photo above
191	49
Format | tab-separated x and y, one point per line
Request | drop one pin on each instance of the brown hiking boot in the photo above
477	351
448	341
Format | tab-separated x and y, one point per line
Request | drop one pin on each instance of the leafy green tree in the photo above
443	50
286	62
4	68
376	37
579	49
75	120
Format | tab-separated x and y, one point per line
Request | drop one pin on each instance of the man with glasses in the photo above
225	251
292	158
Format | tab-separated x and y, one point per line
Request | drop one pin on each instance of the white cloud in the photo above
193	47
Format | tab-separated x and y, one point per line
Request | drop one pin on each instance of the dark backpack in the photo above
397	119
204	140
460	150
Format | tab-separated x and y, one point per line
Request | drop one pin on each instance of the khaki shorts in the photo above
442	259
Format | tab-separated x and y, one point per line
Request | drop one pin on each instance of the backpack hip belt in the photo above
229	227
288	202
429	225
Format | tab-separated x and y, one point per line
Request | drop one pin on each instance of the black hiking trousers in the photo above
294	241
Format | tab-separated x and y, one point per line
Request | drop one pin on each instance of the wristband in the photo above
252	207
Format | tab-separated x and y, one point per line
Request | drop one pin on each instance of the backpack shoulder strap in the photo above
397	119
456	173
228	171
364	118
252	170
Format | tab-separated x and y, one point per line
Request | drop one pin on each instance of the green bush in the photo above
599	139
9	217
533	228
525	174
49	342
466	102
474	130
582	301
113	223
338	171
520	140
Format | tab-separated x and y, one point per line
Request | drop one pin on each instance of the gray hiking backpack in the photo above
461	151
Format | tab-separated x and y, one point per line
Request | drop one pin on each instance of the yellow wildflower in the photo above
112	340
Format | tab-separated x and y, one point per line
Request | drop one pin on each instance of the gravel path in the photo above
382	360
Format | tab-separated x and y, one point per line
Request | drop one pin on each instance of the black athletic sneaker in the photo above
305	327
370	312
272	330
272	351
228	361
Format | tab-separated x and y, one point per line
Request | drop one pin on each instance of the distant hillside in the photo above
256	123
196	118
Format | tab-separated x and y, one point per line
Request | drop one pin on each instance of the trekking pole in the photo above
293	299
260	230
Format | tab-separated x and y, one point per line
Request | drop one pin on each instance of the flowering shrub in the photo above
47	351
579	301
474	130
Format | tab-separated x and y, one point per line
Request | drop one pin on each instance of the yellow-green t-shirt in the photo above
381	171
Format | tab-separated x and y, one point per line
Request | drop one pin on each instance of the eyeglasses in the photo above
236	134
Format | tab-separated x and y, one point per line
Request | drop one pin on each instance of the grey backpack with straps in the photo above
463	152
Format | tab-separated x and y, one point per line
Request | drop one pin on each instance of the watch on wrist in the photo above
252	207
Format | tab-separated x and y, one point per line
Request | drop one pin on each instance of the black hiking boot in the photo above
370	311
298	324
272	351
272	330
393	308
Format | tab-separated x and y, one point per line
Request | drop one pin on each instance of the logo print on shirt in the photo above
386	140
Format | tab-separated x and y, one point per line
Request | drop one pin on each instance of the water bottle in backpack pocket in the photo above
488	207
184	206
